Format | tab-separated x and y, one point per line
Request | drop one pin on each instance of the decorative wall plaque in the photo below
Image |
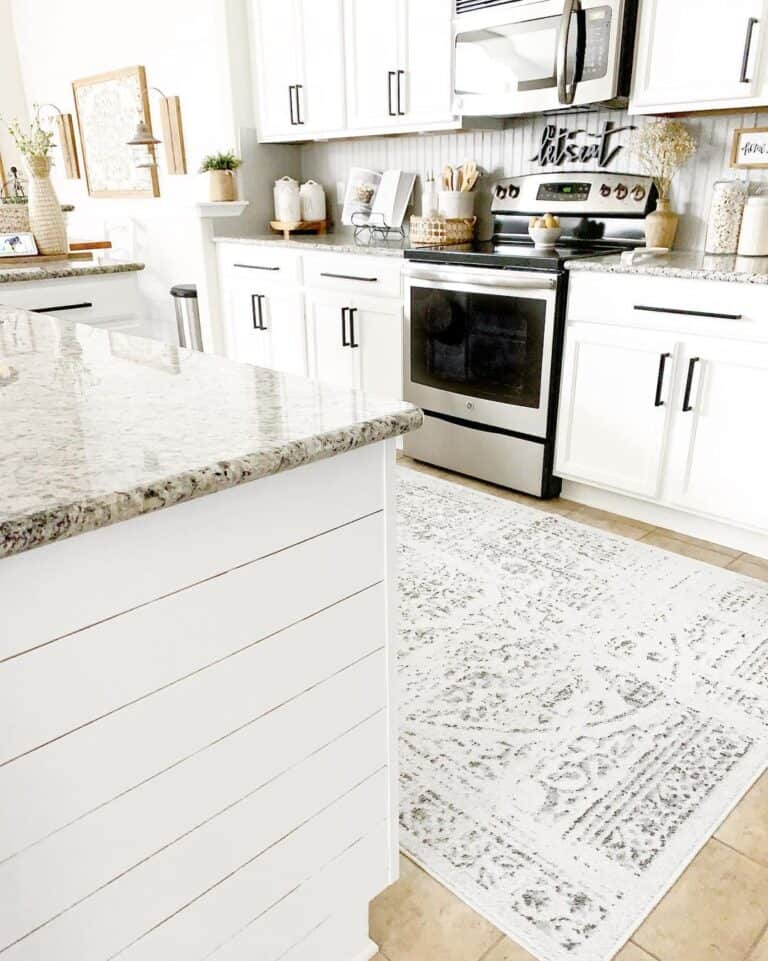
559	145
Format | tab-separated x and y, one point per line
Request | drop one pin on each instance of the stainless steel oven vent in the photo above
470	6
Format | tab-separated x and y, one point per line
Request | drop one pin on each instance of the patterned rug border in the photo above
714	818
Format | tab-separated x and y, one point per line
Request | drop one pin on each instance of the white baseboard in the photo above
658	516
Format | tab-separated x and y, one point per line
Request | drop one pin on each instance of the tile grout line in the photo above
756	942
644	950
493	946
725	844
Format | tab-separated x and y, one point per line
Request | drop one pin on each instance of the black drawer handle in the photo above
367	280
751	24
255	267
290	101
344	340
400	75
257	309
658	402
391	74
687	407
50	310
352	342
298	104
688	313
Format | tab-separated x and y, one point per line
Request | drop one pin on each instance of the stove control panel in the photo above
587	193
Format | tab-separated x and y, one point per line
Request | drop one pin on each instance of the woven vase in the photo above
46	220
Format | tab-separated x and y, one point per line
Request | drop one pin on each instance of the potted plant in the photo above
46	220
221	168
662	147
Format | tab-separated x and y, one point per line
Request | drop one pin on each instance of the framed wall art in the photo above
750	148
109	105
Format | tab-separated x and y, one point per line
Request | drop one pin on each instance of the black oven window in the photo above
482	345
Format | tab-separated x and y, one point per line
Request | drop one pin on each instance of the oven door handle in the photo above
501	280
566	93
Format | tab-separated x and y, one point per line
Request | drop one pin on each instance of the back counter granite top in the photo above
100	427
682	264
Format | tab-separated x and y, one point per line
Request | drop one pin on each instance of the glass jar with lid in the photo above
728	200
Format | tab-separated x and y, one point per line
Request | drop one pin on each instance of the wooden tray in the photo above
43	259
299	227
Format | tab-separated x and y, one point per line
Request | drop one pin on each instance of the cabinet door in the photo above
321	98
699	54
371	34
718	454
277	38
250	336
378	328
333	359
426	57
614	407
283	316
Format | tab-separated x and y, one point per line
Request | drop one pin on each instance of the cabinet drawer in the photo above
87	300
731	310
348	273
259	263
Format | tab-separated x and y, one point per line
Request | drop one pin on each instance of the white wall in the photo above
508	152
12	100
194	49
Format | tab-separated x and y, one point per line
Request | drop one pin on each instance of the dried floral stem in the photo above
34	142
662	148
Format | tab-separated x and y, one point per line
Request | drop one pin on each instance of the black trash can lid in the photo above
184	290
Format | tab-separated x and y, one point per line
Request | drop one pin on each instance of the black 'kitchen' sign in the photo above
560	145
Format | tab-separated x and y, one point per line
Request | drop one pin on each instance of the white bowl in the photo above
545	237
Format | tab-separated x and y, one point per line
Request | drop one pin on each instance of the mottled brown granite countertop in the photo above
684	264
99	427
340	241
55	269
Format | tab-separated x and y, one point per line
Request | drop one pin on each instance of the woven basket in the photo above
14	218
437	231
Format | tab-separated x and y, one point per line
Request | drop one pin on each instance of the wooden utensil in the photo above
447	177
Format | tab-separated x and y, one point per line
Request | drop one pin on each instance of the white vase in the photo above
46	220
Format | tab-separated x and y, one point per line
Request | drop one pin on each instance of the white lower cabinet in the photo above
718	457
333	359
614	407
268	327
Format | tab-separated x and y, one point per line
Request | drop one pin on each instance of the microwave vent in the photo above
470	6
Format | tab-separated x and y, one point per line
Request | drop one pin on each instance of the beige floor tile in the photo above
760	952
507	950
747	827
751	566
613	523
417	919
715	912
631	952
688	548
404	461
731	552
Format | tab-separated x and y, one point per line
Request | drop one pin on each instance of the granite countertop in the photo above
341	241
99	427
686	264
54	269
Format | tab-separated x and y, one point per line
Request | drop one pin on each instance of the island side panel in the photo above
211	769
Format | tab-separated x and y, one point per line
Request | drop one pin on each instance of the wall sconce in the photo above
66	141
173	132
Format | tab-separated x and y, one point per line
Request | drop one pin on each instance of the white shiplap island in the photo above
196	727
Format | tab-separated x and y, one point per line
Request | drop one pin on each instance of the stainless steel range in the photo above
484	325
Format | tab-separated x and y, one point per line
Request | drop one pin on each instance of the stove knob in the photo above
470	405
639	192
621	191
501	192
514	191
605	190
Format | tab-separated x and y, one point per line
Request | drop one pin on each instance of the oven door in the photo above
517	59
478	345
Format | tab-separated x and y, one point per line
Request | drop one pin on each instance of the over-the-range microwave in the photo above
529	56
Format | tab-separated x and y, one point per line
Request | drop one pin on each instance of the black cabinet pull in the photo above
688	313
58	307
290	102
344	340
298	104
400	98
254	267
352	342
367	280
751	24
257	308
658	402
687	407
390	77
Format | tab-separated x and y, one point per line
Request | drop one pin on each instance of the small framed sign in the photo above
750	148
17	245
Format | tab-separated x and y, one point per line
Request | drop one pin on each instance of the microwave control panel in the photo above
597	47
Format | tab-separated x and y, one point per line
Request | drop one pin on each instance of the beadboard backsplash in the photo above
508	152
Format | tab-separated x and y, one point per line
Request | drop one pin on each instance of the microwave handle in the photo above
566	93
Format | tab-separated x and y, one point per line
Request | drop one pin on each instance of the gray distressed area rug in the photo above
578	713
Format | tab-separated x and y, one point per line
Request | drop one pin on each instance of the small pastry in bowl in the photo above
544	231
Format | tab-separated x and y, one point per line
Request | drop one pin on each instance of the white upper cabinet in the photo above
700	55
373	82
426	59
298	57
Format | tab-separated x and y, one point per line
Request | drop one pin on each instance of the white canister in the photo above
456	204
287	201
429	199
728	199
753	239
312	201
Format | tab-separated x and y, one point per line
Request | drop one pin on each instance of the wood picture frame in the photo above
108	106
750	141
68	146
